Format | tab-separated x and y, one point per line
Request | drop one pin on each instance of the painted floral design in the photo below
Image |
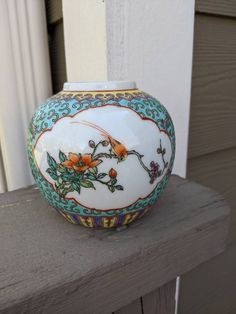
80	162
76	171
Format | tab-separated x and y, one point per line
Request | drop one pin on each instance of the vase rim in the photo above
99	86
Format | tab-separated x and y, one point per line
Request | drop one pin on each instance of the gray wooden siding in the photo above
218	170
213	111
159	301
211	288
56	43
218	7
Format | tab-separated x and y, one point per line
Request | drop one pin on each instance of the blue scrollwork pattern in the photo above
68	104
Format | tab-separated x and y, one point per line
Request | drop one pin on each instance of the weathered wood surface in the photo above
211	287
48	265
161	300
213	109
218	171
218	7
133	308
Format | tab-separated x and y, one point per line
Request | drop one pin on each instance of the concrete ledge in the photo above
48	265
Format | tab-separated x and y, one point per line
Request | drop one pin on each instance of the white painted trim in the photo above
85	40
25	81
150	42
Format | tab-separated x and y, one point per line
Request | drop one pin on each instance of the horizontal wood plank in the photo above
211	287
218	171
161	300
133	308
220	7
51	266
54	11
213	105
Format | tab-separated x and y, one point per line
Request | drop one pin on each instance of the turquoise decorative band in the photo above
101	158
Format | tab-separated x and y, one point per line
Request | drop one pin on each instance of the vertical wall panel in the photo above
210	288
25	82
85	39
213	109
151	42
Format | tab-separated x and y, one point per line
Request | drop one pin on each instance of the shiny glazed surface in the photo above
101	158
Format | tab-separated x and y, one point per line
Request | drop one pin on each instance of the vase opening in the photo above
99	86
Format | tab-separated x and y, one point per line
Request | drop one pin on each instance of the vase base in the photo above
104	222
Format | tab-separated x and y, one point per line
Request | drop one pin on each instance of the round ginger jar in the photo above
101	153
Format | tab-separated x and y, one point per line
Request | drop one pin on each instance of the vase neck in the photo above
99	86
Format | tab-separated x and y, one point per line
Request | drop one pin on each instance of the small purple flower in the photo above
152	164
155	171
91	144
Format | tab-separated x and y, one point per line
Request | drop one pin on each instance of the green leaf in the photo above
70	170
62	156
51	162
65	177
111	188
52	173
77	177
113	181
65	190
59	185
102	175
91	176
119	187
76	186
61	169
87	184
94	170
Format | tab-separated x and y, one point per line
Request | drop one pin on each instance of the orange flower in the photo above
81	163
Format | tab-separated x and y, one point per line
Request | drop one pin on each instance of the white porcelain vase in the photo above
101	152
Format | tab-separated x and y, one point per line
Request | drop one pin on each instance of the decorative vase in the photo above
101	153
